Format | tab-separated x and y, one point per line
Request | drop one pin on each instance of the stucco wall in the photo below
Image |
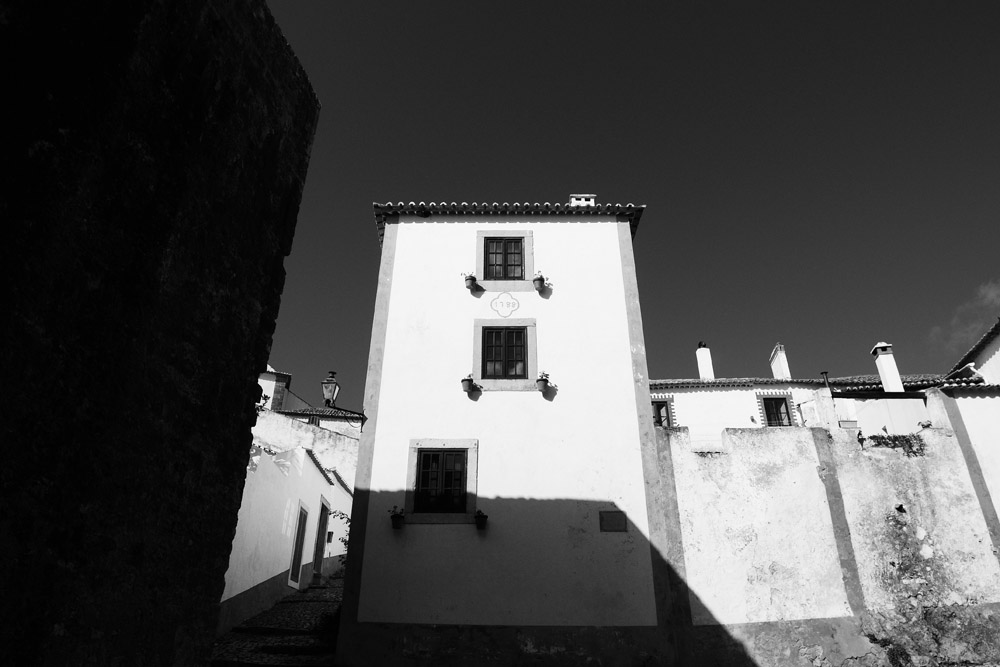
893	416
758	538
706	411
333	450
981	414
531	448
916	525
262	546
988	361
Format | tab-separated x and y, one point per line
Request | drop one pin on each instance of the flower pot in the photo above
468	384
470	282
542	385
481	522
539	284
397	521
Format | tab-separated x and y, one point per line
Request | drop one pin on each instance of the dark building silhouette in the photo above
159	154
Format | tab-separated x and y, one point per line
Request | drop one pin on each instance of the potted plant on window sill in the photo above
397	517
470	281
469	384
481	520
542	383
539	282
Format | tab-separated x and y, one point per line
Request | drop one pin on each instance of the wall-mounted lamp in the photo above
330	389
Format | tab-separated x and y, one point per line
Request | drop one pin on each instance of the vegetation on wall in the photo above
911	443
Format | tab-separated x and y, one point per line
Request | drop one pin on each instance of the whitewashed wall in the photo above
262	546
981	415
758	537
707	411
988	362
545	467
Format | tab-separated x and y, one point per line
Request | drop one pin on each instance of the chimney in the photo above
705	371
779	363
583	200
886	364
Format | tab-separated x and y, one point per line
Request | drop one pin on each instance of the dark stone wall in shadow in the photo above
670	642
157	165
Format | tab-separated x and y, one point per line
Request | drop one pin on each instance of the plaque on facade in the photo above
504	304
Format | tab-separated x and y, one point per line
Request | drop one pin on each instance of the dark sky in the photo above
826	175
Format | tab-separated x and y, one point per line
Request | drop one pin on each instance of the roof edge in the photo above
631	213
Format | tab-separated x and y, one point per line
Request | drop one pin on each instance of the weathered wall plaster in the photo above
916	524
758	538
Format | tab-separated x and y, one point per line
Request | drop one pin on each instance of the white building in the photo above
738	521
559	472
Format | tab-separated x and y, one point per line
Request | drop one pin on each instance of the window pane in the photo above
441	488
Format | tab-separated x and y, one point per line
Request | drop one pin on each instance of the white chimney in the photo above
779	363
583	200
886	364
705	370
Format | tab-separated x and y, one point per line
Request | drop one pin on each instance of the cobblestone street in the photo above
299	631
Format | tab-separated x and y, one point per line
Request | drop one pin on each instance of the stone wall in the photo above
157	171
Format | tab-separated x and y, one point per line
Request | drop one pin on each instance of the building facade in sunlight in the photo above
526	494
509	406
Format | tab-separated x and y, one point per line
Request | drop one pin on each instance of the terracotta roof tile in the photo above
911	382
324	412
632	212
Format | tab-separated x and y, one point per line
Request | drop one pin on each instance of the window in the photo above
441	481
776	411
504	259
300	538
504	352
662	413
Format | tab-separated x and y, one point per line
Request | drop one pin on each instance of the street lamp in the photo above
330	389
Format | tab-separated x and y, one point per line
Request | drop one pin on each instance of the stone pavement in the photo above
299	631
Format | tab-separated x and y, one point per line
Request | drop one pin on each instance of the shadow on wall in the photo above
560	581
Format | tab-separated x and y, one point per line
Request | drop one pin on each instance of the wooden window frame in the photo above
526	383
509	350
671	417
510	252
789	404
471	448
298	545
523	284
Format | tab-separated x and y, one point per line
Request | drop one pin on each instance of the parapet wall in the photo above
801	538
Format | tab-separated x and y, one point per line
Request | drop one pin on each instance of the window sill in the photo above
506	385
507	285
439	518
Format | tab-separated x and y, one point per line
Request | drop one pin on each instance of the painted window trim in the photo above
671	412
471	446
528	261
531	340
761	395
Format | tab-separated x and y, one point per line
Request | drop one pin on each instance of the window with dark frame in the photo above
776	411
505	353
661	413
504	259
441	481
300	538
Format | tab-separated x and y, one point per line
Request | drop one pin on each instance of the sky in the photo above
821	174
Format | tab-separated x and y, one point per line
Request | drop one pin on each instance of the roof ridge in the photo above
985	340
